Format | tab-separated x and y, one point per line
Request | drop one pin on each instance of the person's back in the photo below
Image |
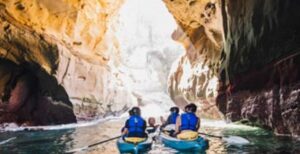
188	120
172	117
135	125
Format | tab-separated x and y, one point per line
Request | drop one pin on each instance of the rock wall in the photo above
255	54
261	70
55	53
194	75
72	43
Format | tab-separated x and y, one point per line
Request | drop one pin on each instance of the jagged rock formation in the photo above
262	64
57	52
194	74
31	97
72	43
258	67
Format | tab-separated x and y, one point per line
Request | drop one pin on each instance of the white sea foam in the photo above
223	124
8	140
14	128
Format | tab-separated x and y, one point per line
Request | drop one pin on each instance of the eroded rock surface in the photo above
262	64
256	64
73	44
29	96
194	74
249	50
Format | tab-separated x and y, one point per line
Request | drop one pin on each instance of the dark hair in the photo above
174	109
192	107
186	108
136	111
130	112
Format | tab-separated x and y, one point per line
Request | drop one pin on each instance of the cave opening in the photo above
142	55
30	96
164	62
148	52
92	61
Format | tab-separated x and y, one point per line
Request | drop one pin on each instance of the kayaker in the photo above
135	126
130	114
169	125
152	125
188	121
174	113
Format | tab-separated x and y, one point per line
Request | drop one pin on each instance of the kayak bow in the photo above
141	147
198	145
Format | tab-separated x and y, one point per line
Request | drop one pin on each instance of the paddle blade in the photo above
236	140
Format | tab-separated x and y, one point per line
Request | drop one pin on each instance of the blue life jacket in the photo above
136	124
189	121
172	118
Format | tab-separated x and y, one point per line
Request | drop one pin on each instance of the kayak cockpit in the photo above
134	145
197	145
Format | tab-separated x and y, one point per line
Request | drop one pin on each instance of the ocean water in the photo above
65	138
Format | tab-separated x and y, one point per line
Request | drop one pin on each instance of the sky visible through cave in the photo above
146	45
147	51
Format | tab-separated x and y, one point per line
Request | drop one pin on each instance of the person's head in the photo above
192	107
174	110
151	121
136	111
187	108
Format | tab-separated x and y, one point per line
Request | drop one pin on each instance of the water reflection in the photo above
53	141
60	141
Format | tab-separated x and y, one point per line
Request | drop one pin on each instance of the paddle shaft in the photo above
211	135
101	142
105	141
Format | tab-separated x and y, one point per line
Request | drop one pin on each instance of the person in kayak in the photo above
169	125
135	126
188	120
174	113
130	114
152	125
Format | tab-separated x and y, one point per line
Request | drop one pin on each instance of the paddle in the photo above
215	136
230	139
92	145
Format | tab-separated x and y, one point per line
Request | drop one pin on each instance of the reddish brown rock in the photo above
260	79
259	68
24	100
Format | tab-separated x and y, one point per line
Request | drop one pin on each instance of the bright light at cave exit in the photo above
145	28
144	32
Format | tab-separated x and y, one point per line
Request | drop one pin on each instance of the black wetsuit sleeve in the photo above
145	125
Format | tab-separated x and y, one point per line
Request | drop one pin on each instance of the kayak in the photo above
198	145
138	148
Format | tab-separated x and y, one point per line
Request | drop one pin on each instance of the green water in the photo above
59	141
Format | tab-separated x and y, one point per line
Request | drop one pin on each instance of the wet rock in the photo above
261	68
25	99
256	63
